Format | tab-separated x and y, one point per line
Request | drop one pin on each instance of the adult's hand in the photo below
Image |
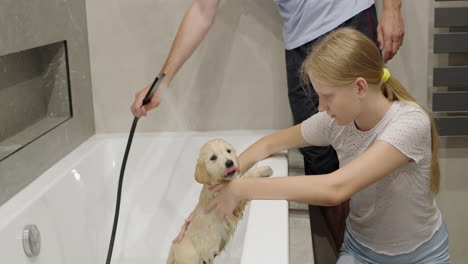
138	109
225	202
390	31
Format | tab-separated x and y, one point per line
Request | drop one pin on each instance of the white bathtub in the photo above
73	202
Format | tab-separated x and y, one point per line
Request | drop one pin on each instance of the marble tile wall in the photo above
34	89
21	99
29	24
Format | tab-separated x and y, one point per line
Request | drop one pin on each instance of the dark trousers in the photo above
304	103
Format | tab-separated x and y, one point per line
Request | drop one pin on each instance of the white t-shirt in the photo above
305	20
398	213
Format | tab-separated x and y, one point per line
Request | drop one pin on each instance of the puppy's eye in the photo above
228	151
213	157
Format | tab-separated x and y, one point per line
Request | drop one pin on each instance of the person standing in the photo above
305	23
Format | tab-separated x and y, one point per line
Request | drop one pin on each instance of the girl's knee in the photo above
347	258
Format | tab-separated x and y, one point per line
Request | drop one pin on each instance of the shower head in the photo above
153	88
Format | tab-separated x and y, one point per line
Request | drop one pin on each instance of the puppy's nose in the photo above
229	163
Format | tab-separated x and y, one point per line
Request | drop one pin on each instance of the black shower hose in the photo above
151	91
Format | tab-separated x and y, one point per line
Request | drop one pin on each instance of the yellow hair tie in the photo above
385	75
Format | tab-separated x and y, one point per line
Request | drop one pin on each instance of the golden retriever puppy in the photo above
206	235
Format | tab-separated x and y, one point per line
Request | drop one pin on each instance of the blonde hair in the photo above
346	54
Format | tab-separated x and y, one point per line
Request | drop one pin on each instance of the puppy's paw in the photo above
265	171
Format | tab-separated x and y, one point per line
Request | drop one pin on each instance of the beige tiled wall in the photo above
235	80
413	67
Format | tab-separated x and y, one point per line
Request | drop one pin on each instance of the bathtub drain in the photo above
31	241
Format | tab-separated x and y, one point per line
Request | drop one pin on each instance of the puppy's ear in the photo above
201	173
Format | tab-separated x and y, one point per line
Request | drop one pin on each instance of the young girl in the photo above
387	148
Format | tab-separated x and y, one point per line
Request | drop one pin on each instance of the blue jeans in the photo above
433	251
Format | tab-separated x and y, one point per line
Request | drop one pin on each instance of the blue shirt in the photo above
305	20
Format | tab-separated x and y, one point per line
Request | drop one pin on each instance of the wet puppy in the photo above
206	235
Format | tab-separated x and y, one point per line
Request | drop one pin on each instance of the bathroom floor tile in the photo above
300	242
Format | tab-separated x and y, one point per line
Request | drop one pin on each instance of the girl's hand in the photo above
225	202
183	229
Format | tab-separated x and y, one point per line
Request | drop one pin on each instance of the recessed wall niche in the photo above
34	95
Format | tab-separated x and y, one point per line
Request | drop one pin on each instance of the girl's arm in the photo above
378	161
330	189
282	140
